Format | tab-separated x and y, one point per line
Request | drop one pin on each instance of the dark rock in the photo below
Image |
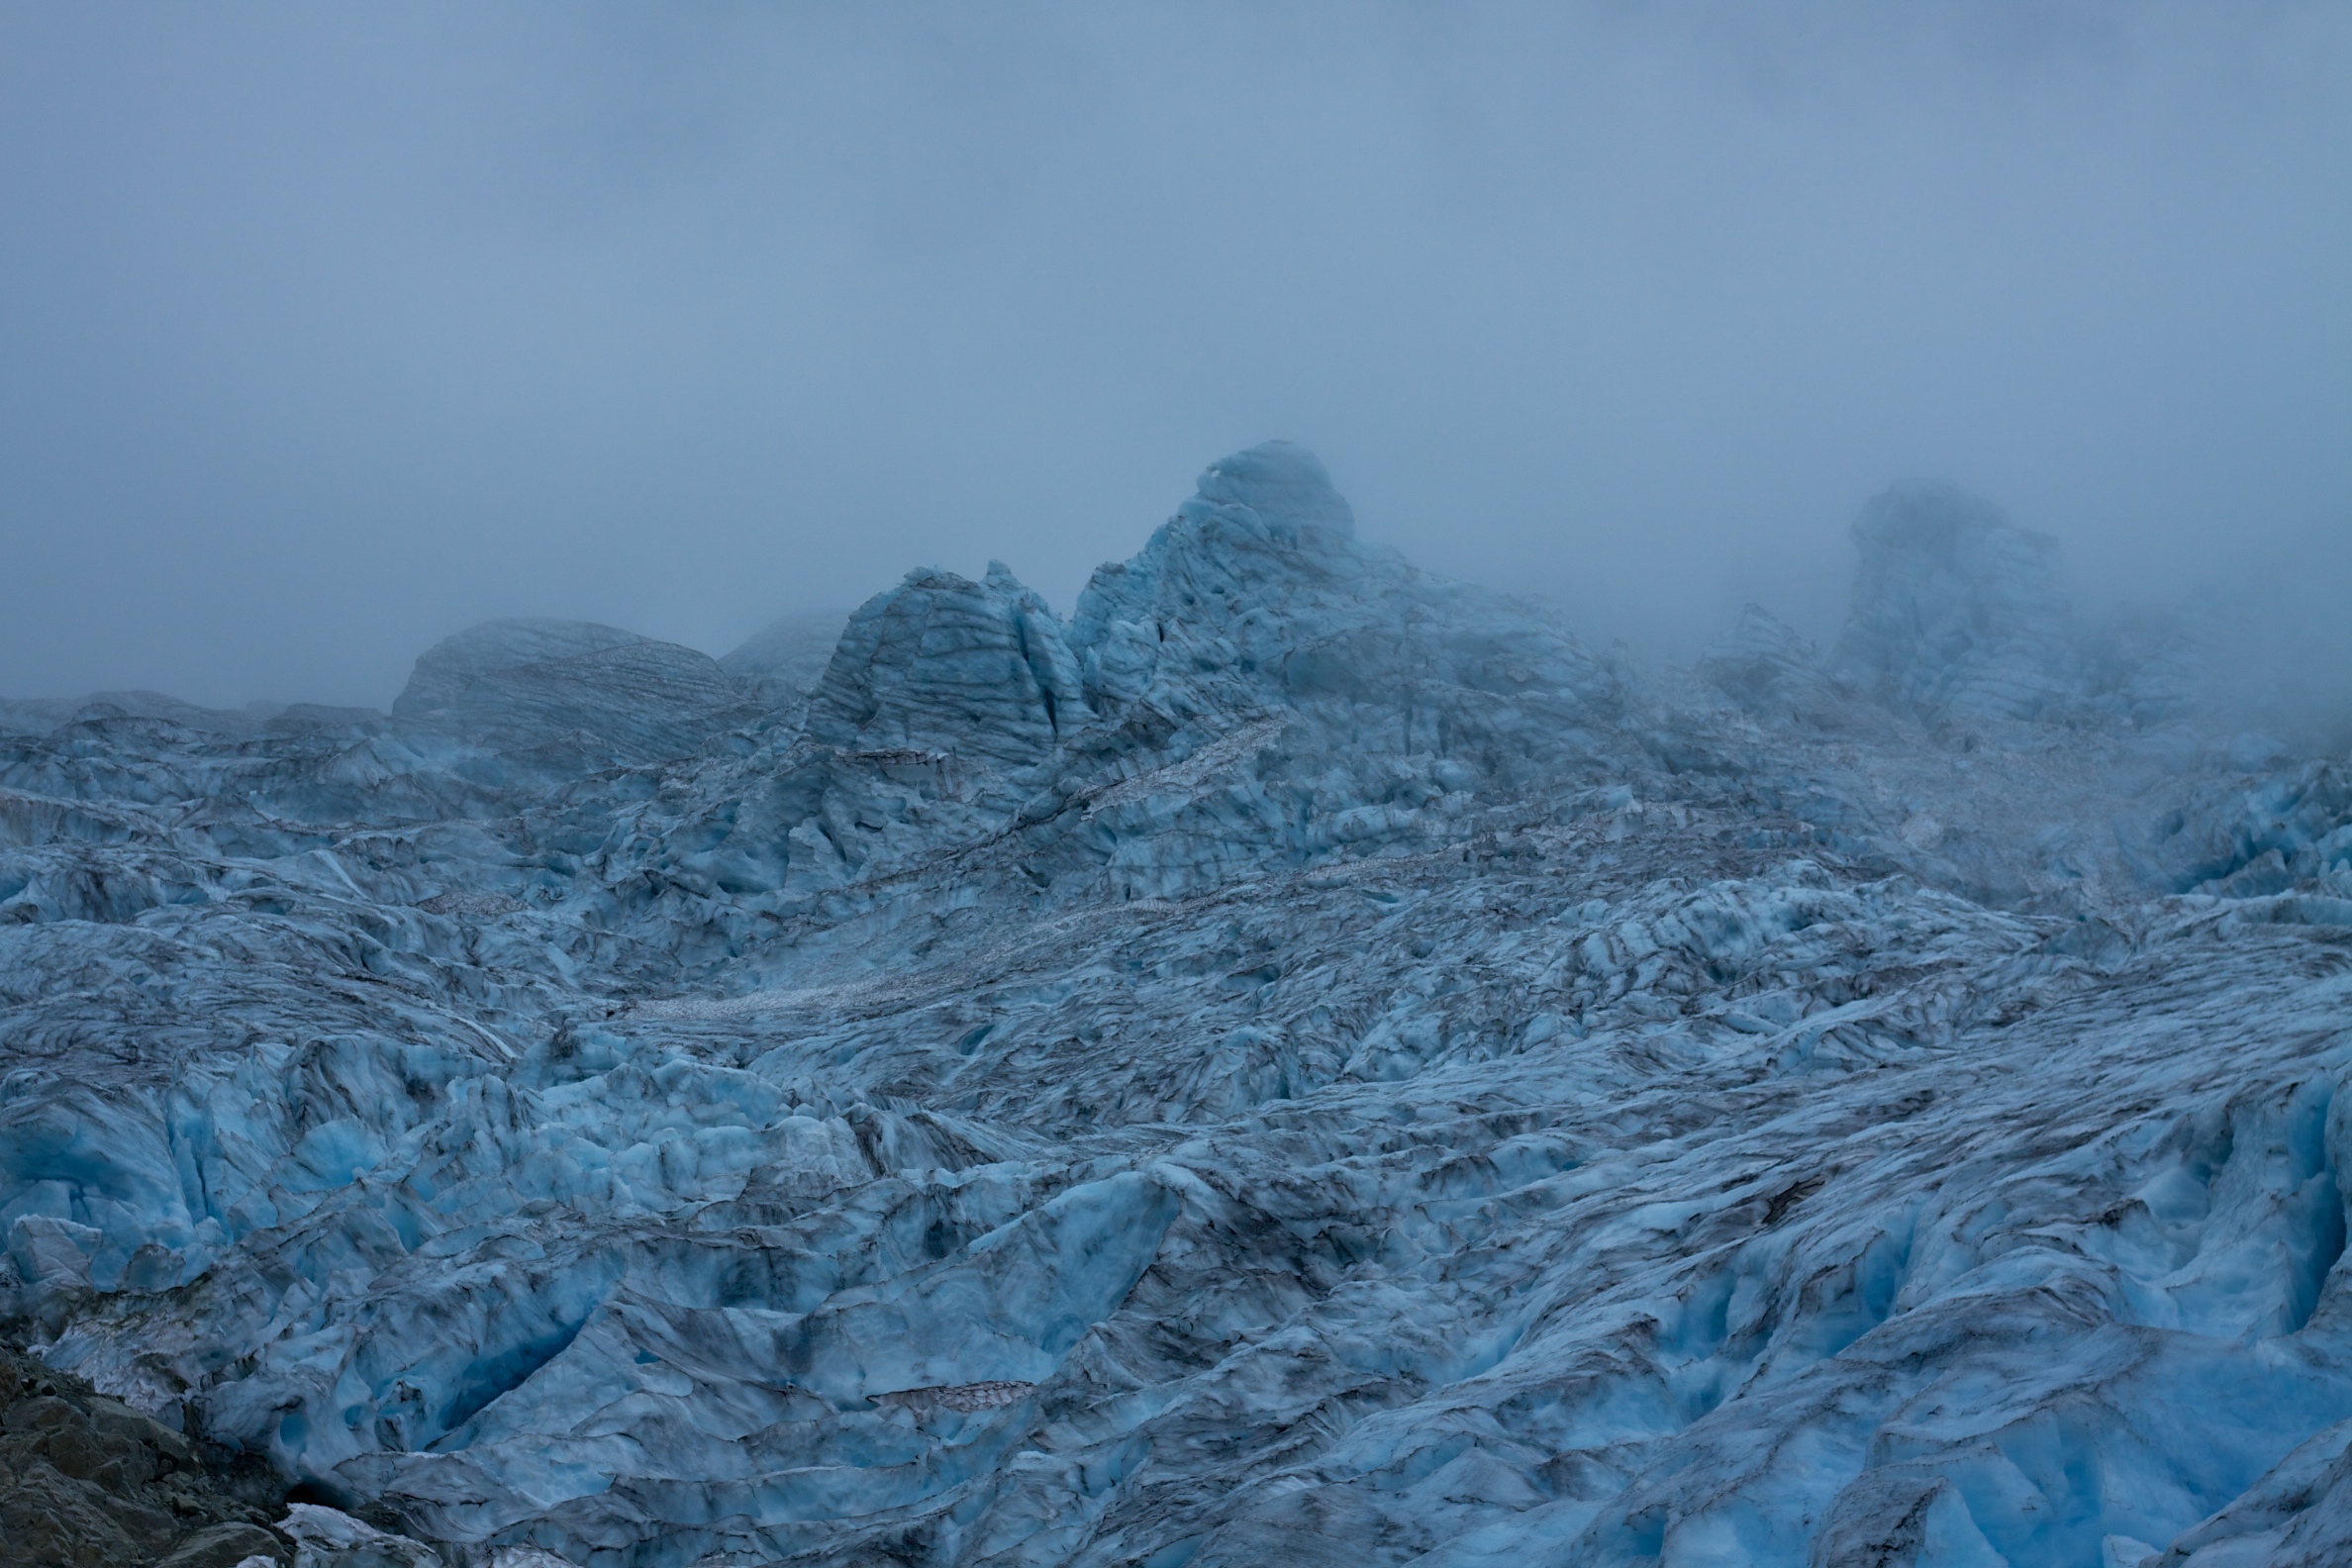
88	1482
223	1547
48	1519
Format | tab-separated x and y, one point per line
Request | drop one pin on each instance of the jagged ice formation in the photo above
1300	1062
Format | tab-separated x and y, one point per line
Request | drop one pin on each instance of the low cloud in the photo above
329	332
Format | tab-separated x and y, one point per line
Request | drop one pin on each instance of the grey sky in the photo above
328	331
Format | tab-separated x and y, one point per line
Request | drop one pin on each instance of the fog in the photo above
326	331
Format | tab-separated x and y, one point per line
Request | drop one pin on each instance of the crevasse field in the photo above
1300	1062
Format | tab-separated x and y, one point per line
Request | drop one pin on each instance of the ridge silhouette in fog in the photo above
329	334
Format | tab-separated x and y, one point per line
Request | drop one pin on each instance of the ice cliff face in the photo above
1300	1062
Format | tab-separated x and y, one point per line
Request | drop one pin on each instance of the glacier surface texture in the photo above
1297	1063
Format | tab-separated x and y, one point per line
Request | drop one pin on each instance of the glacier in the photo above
1299	1061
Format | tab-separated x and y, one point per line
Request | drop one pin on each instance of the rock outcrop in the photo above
87	1482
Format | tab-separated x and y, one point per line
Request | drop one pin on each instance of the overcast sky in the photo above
326	330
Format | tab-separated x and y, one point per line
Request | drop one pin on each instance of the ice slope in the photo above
1299	1062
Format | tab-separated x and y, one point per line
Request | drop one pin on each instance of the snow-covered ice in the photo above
1301	1061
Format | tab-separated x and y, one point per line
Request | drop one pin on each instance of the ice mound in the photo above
1285	486
943	663
445	670
1955	611
1237	695
1302	1061
611	695
1257	592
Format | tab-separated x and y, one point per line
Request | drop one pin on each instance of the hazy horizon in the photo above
330	334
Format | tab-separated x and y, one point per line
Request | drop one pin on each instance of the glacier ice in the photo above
1302	1061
